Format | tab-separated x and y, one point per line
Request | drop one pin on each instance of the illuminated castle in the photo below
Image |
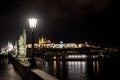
43	41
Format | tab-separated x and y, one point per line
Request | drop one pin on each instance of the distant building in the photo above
43	42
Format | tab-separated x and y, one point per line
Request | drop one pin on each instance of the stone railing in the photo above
30	74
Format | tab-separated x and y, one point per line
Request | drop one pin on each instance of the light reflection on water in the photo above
71	70
77	70
96	67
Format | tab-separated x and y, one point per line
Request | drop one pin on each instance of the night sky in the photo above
94	21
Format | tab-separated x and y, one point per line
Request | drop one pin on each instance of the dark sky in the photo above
94	21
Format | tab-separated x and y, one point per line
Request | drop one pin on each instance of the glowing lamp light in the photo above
32	22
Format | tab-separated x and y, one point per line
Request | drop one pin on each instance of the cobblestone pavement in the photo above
7	71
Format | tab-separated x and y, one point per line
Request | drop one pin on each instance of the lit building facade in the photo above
44	43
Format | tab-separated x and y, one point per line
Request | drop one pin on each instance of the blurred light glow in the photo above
10	46
32	22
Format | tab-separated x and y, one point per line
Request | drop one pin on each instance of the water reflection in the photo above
96	67
77	70
72	70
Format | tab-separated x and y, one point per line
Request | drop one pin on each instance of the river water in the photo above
107	69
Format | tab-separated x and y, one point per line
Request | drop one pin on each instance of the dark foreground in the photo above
7	71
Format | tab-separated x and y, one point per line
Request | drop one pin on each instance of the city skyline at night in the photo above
59	40
76	21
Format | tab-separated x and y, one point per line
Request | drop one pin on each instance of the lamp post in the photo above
32	23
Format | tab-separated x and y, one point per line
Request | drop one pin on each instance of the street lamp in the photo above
32	23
